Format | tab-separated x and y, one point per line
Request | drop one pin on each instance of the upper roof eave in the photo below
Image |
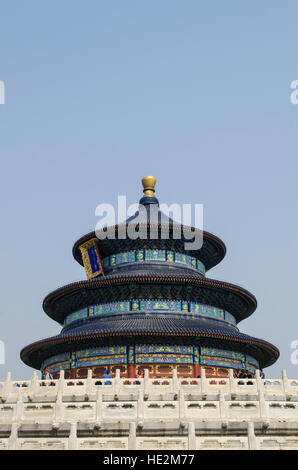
110	246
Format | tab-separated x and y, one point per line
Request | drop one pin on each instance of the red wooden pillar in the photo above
197	370
131	371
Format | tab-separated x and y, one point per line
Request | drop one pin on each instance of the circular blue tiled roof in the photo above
134	328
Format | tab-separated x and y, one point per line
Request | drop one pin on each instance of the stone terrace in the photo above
161	414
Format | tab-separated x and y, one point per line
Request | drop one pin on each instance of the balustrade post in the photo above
203	382
285	382
18	411
58	406
89	382
260	382
175	381
13	438
232	381
117	382
191	436
262	404
132	438
146	382
252	441
99	412
61	382
33	384
181	404
72	440
222	404
140	410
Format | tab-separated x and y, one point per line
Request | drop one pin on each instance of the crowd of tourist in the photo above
244	374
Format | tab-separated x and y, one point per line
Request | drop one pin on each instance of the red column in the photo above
197	370
131	371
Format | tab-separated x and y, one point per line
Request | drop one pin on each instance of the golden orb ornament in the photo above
148	183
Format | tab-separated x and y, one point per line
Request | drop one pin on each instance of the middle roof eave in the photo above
236	300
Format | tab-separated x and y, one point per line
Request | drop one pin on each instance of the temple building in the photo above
147	304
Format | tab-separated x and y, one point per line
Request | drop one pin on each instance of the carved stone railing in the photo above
205	386
172	405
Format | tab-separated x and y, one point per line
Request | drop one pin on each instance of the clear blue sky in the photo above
99	94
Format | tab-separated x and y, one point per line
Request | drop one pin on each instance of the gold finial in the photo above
148	183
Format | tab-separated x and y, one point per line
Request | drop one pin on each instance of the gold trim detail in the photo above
149	185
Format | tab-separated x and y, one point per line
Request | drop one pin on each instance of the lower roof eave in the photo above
34	354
